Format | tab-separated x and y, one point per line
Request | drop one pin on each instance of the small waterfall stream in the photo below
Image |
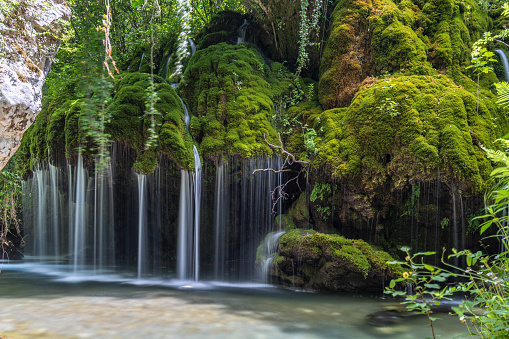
78	249
192	45
505	63
141	61
241	32
142	225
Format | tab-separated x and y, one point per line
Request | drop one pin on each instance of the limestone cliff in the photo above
29	39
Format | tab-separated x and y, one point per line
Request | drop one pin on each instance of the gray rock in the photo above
27	45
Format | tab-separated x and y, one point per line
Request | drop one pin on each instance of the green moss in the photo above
410	37
299	211
398	48
58	125
329	248
285	222
231	91
130	125
434	124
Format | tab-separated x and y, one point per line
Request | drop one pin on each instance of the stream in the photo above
41	301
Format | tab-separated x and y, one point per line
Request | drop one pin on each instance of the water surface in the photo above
42	302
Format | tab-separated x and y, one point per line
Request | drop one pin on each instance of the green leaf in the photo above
485	226
392	284
137	3
435	286
429	268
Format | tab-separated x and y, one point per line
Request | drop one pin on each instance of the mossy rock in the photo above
371	38
128	123
58	129
404	129
231	92
299	212
331	262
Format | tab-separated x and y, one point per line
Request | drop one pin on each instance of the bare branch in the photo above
279	193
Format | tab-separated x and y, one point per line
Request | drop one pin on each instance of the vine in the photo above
310	11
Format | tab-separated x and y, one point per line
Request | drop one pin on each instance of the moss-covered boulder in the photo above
402	130
130	125
318	261
58	130
231	92
369	38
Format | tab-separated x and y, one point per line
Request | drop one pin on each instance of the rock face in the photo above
29	39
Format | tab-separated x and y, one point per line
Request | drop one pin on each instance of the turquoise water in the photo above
42	302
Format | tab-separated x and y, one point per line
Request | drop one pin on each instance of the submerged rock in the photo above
29	39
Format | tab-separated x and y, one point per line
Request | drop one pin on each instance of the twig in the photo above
279	192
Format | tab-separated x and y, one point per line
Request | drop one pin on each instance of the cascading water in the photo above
104	251
192	45
55	216
197	209
142	225
166	66
221	219
80	217
88	237
271	247
243	216
241	31
141	61
505	63
188	266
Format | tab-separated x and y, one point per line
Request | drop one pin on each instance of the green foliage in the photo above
310	11
425	281
10	191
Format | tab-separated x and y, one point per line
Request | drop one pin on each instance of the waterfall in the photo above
221	219
197	200
270	247
141	61
188	266
241	31
185	222
104	239
54	210
503	57
166	66
193	46
243	214
142	225
187	117
80	217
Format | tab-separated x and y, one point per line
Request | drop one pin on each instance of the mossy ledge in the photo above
402	130
330	262
56	131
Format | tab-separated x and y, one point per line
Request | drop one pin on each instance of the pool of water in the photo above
43	302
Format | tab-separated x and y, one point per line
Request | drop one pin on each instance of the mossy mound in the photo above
401	130
230	91
128	123
318	261
58	132
369	38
